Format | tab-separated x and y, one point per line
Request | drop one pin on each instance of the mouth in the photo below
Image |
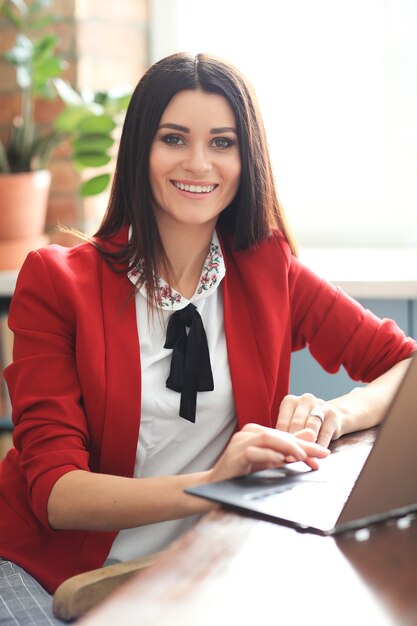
208	188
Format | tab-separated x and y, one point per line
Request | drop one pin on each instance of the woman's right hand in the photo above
256	448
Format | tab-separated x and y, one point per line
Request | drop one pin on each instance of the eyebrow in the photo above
184	129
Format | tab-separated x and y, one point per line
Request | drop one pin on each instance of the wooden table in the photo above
235	570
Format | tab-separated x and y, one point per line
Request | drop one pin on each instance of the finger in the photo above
330	428
318	452
262	458
305	403
285	443
308	434
312	463
264	437
325	435
314	450
286	411
289	445
253	428
315	418
297	412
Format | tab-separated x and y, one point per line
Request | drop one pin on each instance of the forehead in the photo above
196	106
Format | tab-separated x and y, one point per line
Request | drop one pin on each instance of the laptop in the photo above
353	488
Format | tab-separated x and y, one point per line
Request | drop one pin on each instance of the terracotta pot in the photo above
23	207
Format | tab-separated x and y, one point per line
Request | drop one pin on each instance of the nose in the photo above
197	159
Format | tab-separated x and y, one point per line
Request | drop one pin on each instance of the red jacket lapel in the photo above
242	329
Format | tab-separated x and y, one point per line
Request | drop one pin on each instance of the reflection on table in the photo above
234	569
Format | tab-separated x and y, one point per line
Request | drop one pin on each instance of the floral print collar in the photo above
169	299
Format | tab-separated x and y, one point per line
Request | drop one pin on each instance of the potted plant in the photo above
87	121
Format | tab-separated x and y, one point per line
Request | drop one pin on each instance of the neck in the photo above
186	250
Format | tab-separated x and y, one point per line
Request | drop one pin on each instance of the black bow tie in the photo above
190	364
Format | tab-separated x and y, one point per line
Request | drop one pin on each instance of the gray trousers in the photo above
23	601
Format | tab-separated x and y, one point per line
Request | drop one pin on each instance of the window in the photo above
337	86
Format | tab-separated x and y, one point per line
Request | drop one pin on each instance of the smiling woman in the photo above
156	355
194	171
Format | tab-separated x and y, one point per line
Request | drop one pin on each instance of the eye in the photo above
172	140
222	143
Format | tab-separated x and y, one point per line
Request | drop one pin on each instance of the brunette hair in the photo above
254	212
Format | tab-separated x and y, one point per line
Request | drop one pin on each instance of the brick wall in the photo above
106	45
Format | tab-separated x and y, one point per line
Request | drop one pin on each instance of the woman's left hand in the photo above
306	411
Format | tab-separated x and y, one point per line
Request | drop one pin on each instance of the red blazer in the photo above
75	383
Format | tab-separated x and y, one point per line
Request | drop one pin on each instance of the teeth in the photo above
195	188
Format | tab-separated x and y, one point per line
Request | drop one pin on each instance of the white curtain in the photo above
337	85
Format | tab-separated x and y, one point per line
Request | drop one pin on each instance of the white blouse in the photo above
169	444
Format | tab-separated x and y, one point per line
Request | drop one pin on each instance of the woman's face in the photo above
194	165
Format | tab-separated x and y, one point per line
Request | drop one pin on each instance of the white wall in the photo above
337	84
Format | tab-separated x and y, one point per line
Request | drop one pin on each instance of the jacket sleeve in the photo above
339	331
50	425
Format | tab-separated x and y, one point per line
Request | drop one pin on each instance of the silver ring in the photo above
317	413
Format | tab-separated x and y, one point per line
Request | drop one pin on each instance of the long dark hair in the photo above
253	213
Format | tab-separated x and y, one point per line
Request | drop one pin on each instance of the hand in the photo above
256	448
298	413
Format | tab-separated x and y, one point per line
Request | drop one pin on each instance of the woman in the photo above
138	355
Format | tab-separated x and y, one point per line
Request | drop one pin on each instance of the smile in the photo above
194	188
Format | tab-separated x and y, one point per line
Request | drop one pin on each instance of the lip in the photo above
203	186
186	181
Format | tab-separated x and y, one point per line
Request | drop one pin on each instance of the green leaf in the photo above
115	100
20	7
45	91
92	159
45	46
101	97
69	119
92	143
11	17
42	22
123	101
39	5
95	185
102	124
46	70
